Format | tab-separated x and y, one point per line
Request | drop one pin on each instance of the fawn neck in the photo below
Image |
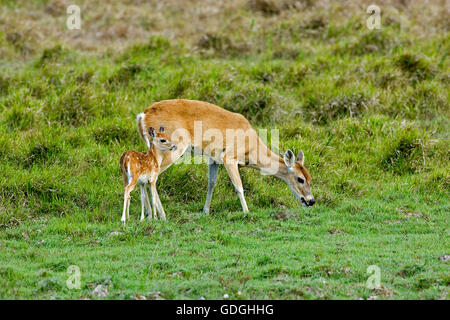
156	153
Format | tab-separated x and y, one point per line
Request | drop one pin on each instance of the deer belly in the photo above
215	154
145	178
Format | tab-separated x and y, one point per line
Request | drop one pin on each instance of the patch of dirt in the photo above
115	233
383	291
445	257
284	215
336	231
266	7
393	221
177	274
408	213
138	296
101	290
56	8
154	296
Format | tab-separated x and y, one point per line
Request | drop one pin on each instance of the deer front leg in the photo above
233	172
157	203
162	214
213	169
159	206
145	204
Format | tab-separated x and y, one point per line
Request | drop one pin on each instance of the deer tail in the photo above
142	129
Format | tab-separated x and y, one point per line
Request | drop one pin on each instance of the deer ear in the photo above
300	157
161	129
151	132
289	158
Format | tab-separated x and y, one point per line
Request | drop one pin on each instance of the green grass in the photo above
370	110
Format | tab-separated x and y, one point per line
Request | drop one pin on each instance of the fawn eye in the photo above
163	140
300	180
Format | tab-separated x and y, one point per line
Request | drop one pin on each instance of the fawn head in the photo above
161	140
298	178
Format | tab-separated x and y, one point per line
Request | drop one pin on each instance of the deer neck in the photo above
269	163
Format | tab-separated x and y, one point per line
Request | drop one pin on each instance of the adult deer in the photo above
226	138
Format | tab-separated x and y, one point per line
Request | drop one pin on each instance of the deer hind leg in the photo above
213	169
126	202
233	172
159	206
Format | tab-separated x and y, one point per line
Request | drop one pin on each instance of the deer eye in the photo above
163	140
300	180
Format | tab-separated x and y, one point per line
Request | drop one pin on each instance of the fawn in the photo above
144	167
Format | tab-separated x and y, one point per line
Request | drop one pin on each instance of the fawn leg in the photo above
147	203
126	202
144	201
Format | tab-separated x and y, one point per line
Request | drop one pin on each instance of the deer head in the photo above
298	178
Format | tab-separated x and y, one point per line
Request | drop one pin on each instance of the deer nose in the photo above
311	202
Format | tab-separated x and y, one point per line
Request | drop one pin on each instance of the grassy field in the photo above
369	108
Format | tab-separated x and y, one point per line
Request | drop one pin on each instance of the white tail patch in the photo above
141	126
129	175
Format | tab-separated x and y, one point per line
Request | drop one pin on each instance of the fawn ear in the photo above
161	129
300	157
289	158
152	132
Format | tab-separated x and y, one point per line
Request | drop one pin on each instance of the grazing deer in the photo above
143	168
228	139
